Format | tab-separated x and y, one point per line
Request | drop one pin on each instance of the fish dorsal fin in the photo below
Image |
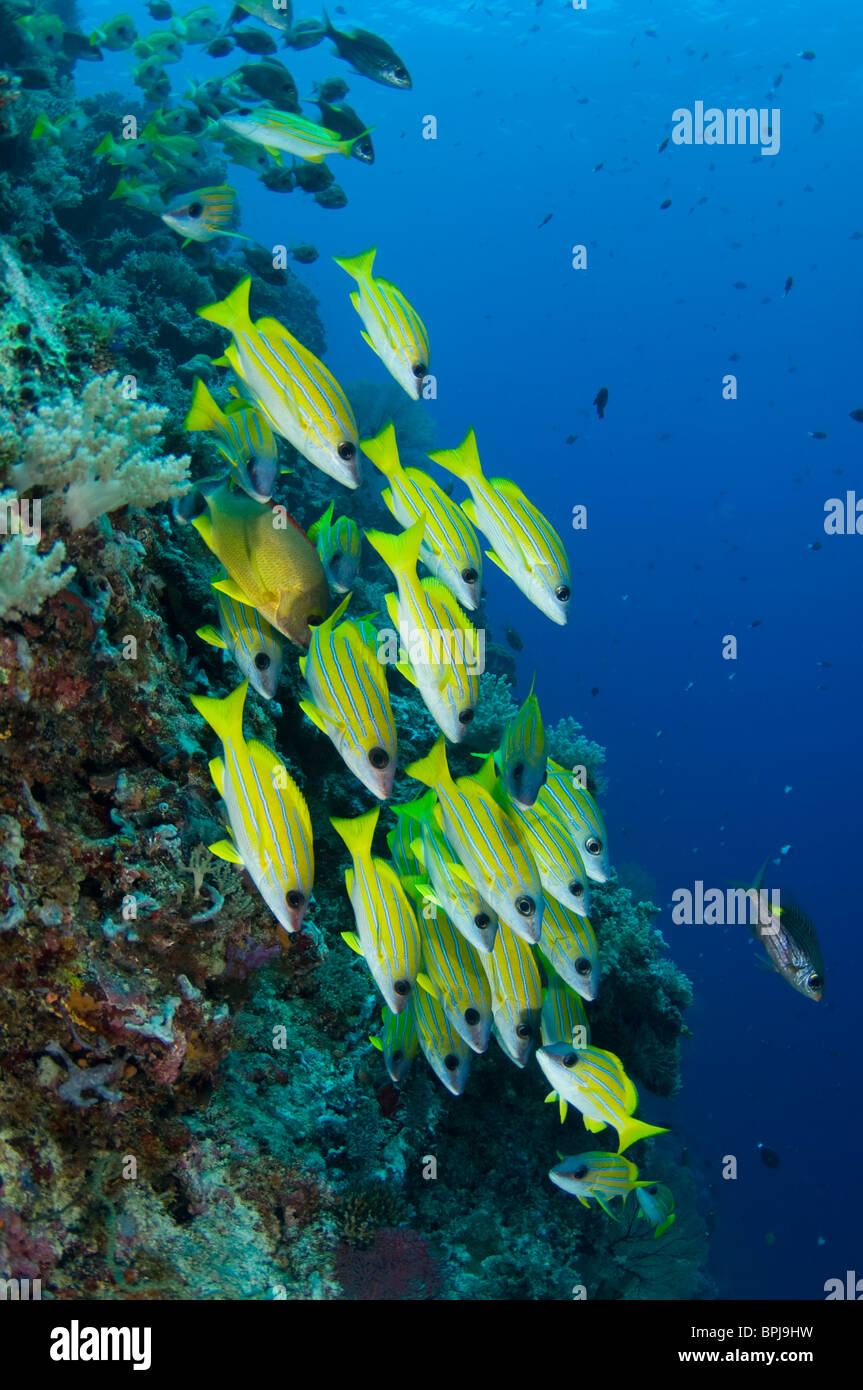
213	638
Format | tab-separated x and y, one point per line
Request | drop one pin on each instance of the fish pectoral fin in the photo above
211	636
366	339
469	509
593	1126
584	1201
231	588
353	941
606	1208
459	871
392	605
217	772
497	561
312	712
427	984
404	670
225	849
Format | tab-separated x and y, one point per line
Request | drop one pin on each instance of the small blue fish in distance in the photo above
249	639
446	1052
595	1083
452	970
450	548
597	1177
482	835
244	438
516	994
349	700
656	1205
569	945
339	545
564	1018
523	762
269	820
387	934
397	1041
564	796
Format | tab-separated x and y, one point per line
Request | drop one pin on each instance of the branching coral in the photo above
27	579
97	453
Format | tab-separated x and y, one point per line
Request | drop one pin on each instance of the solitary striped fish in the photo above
446	1052
243	437
597	1176
203	214
564	1017
394	330
595	1083
479	831
516	995
522	759
569	945
397	1041
656	1205
451	887
438	641
249	639
526	546
564	796
452	970
450	546
301	398
282	130
387	934
349	700
339	545
271	832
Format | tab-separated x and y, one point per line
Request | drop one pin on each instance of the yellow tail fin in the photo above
360	267
358	832
233	312
204	413
402	552
463	461
433	769
634	1130
225	717
383	451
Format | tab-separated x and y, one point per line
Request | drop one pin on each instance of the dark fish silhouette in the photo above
513	639
788	283
857	415
601	401
769	1156
547	218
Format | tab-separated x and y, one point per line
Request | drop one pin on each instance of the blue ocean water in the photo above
703	513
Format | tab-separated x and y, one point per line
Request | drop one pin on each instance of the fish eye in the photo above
481	919
562	592
346	450
651	1192
398	1055
518	770
466	716
471	1017
419	370
451	1062
195	209
581	1171
576	888
522	1030
244	111
570	1059
815	982
295	900
402	987
582	966
400	71
379	758
262	661
525	906
313	619
469	576
593	845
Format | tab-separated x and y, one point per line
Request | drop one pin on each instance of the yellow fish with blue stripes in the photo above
564	1017
243	437
203	214
525	544
597	1177
397	1041
442	654
450	885
565	797
271	566
300	397
522	759
486	843
387	934
394	329
271	832
444	1049
283	130
246	637
569	945
403	840
452	970
339	545
349	700
450	546
552	845
595	1083
516	994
